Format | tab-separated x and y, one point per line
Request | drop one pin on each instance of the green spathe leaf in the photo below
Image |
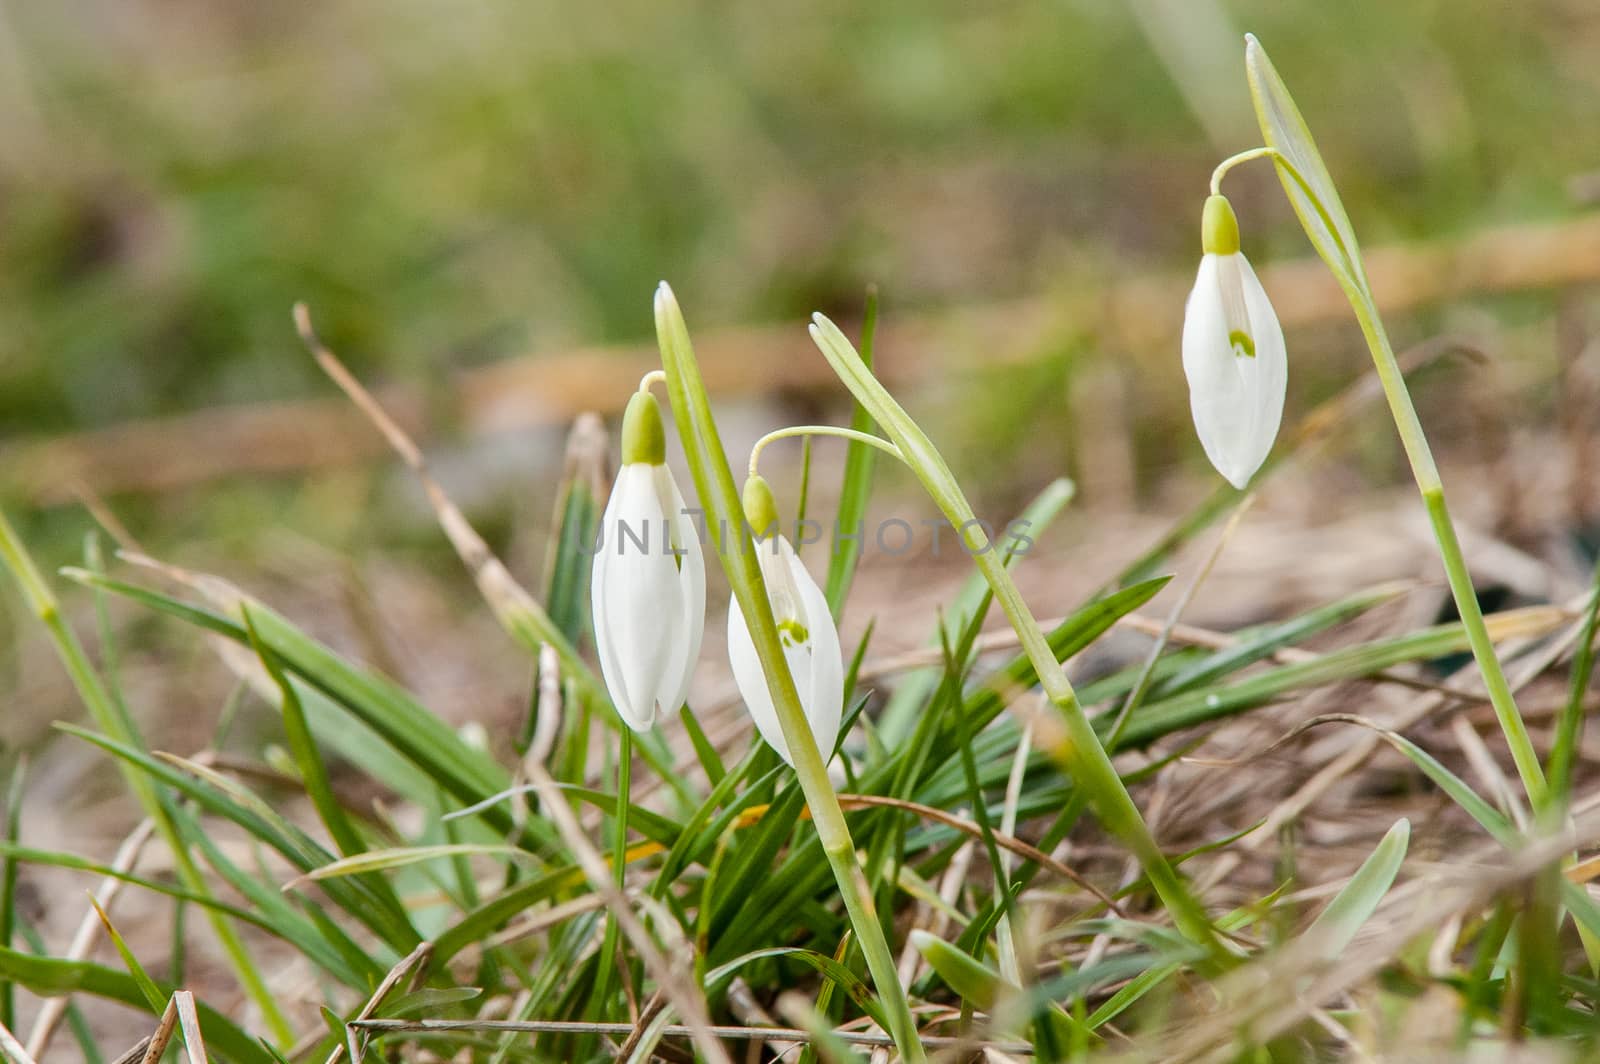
1308	185
856	489
399	857
1336	925
966	975
827	966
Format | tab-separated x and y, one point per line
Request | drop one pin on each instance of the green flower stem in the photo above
1425	471
818	430
112	720
619	867
714	483
1243	157
1080	752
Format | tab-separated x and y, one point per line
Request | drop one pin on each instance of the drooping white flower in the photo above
1233	353
648	592
805	628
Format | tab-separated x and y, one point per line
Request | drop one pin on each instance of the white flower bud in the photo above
648	593
1233	353
805	628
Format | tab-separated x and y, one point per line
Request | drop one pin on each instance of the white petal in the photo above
691	620
1236	401
816	663
635	597
1271	366
752	681
824	690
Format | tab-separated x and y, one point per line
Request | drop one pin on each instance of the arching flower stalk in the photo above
1233	353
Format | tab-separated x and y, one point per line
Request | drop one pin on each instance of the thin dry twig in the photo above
12	1048
103	897
509	600
410	963
189	1021
156	1045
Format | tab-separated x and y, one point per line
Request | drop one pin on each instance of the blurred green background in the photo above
452	183
455	186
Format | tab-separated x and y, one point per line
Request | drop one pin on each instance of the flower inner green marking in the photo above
793	632
1242	344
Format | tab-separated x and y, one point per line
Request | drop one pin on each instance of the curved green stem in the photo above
819	430
1426	474
1350	262
1079	750
619	866
720	497
654	377
1243	157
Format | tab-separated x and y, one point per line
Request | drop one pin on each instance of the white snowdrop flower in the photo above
805	628
1232	353
648	592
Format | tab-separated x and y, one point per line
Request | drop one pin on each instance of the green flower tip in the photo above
643	438
1219	227
760	508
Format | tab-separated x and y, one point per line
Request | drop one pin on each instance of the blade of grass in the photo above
970	604
8	880
1336	926
1569	724
855	492
113	720
1185	710
50	977
153	997
232	800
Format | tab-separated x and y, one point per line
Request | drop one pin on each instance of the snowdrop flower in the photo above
805	627
1232	353
648	592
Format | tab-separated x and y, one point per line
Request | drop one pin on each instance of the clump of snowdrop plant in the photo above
727	866
648	592
1233	352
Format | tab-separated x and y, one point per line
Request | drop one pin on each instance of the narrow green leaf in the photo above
1190	708
304	751
1569	725
153	997
50	977
428	1000
493	914
401	856
1321	212
8	883
232	800
966	975
856	490
54	859
75	1018
1256	644
825	965
1336	925
913	689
